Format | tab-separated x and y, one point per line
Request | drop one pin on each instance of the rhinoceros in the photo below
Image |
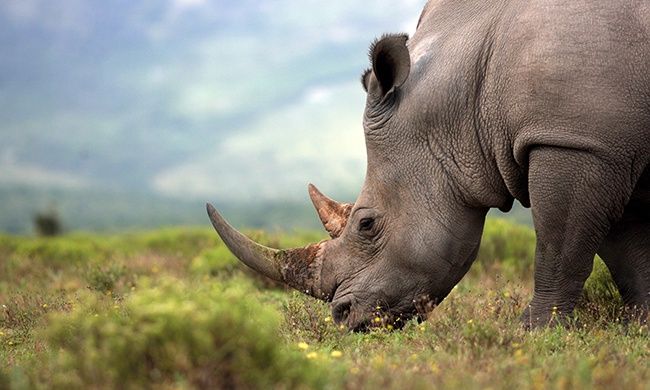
490	101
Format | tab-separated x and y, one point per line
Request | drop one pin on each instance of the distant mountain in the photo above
113	210
109	211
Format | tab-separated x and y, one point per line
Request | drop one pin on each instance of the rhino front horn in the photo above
333	215
299	268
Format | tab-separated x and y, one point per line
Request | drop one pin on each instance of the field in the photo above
173	309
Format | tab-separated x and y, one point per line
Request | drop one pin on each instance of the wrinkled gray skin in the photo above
545	102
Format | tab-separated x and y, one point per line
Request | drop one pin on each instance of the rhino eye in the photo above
366	224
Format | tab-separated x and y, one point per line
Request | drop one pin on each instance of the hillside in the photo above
109	210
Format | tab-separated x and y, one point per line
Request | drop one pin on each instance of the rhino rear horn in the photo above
333	215
299	268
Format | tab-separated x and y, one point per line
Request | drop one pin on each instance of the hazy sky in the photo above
191	98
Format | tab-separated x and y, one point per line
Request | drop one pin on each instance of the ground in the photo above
172	308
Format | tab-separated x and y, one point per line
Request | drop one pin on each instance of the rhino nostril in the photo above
341	311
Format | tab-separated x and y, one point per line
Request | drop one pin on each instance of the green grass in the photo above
173	308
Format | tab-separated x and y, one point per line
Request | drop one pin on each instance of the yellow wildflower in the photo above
336	354
312	355
303	345
520	357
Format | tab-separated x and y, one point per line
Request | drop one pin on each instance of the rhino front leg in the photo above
574	196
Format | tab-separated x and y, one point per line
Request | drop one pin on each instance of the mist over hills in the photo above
129	113
187	97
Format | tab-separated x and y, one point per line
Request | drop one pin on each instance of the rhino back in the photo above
577	75
521	74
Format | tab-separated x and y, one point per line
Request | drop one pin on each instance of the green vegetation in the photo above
174	309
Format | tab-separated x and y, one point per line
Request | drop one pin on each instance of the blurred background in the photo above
133	114
128	114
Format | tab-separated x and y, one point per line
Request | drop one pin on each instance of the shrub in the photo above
23	311
62	251
220	262
212	336
601	302
48	223
600	287
8	244
309	319
180	242
103	279
508	246
480	335
215	262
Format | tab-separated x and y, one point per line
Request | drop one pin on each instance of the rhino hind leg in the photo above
626	251
574	195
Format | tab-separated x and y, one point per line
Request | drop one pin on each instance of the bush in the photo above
180	242
104	279
217	261
601	302
309	319
21	312
48	223
600	287
62	251
212	336
8	244
508	246
221	263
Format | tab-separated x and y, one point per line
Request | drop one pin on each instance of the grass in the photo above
173	308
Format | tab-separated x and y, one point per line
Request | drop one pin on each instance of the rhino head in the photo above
409	237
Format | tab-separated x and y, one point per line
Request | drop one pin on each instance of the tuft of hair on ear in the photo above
364	79
374	43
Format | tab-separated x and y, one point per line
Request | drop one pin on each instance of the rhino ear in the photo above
391	62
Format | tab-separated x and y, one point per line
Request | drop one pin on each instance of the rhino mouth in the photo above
363	318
